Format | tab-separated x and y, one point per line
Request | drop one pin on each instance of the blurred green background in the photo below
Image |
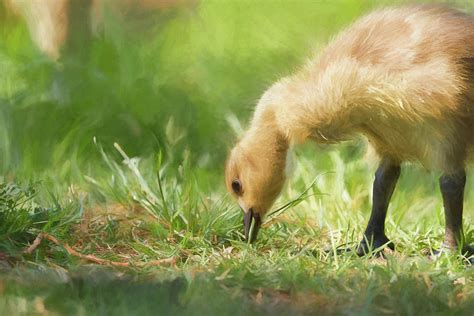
177	79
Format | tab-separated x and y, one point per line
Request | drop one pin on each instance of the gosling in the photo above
401	77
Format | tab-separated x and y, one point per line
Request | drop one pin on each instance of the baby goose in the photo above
403	78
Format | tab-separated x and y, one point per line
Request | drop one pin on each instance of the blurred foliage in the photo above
197	66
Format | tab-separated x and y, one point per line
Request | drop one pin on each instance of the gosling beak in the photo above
251	235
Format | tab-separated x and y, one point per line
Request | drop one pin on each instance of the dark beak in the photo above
248	218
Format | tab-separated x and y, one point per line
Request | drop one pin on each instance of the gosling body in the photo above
403	78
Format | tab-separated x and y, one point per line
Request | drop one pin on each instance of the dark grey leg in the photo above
386	178
452	189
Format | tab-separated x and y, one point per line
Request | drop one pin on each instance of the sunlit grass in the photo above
139	211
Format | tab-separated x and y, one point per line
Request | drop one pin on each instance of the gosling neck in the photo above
265	132
300	108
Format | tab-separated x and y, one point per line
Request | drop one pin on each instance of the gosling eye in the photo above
236	186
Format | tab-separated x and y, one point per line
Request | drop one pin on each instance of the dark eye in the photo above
236	186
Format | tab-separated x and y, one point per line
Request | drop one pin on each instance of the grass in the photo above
143	217
131	171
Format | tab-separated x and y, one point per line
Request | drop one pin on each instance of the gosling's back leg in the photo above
452	189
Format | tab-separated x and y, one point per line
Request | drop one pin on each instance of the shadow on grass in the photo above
96	290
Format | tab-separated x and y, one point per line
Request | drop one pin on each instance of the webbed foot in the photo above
374	246
467	252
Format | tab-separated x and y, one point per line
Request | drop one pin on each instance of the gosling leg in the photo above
386	178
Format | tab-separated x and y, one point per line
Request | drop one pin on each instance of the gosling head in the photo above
255	174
